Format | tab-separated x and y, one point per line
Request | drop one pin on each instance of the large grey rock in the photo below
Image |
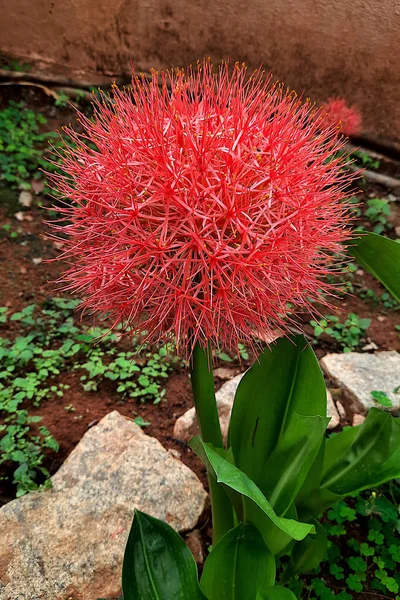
67	543
359	374
186	426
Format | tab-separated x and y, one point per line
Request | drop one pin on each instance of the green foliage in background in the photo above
363	550
349	335
50	342
22	146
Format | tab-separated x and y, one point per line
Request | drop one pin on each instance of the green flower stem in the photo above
210	430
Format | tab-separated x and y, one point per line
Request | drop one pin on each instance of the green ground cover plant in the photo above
22	145
49	342
349	335
363	552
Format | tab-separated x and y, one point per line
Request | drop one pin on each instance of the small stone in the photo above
195	544
370	346
331	411
37	261
358	419
175	453
360	272
224	373
25	198
23	216
71	538
340	409
381	318
397	230
37	185
358	374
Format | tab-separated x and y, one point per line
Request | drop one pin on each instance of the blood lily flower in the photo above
347	118
206	207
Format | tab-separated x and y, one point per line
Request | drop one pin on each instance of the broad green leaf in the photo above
291	460
308	499
338	445
232	477
381	257
238	565
307	554
274	592
312	500
366	458
285	380
157	563
277	540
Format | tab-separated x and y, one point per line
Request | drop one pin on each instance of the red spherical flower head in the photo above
347	118
206	208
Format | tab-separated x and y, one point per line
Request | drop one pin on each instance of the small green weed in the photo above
344	281
62	100
385	299
244	355
363	549
377	212
14	65
9	232
51	343
349	335
382	398
19	446
22	146
141	422
365	160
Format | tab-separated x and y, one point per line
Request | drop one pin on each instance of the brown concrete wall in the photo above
349	48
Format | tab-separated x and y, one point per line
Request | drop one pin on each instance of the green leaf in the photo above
363	457
308	553
284	381
141	422
381	398
238	565
274	592
234	479
291	460
157	563
381	257
308	499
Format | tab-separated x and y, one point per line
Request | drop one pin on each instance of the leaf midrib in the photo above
146	558
352	464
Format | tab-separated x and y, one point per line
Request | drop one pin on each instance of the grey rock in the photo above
186	426
358	419
341	410
331	411
67	543
359	374
225	373
25	198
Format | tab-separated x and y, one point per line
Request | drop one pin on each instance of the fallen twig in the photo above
46	89
385	147
390	182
